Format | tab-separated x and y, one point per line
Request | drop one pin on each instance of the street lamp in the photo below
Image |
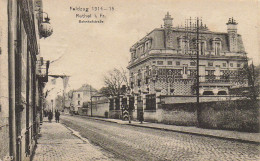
45	28
52	105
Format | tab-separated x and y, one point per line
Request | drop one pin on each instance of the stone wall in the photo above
4	94
115	114
239	115
151	116
100	109
189	99
178	114
4	137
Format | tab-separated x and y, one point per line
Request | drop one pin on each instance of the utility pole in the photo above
90	87
191	28
12	23
197	76
90	100
52	105
63	100
91	105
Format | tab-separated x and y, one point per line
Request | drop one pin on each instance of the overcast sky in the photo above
90	50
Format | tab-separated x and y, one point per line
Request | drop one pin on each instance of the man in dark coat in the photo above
57	116
50	115
141	117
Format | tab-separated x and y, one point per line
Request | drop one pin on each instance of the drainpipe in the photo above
12	22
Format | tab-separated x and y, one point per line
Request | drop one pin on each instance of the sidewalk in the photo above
223	134
59	143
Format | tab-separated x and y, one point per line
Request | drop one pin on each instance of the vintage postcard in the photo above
129	80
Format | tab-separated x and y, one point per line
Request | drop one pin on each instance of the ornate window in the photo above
217	46
210	64
202	46
139	77
193	72
160	62
183	44
185	69
192	63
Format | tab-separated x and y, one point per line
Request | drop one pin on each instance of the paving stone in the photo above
57	143
138	143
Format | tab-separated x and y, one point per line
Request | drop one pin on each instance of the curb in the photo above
200	134
183	132
75	133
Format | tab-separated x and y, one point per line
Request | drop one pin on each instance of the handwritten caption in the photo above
91	14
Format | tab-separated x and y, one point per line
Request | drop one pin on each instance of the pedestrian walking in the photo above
141	117
57	116
50	116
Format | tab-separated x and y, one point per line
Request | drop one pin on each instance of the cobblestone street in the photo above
136	143
60	144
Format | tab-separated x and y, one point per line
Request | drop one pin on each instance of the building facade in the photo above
23	74
81	98
164	60
77	100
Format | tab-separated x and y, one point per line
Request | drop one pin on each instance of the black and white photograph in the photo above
129	80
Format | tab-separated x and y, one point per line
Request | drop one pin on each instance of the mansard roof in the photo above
158	38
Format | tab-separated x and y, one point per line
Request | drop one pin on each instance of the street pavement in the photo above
58	143
224	134
138	143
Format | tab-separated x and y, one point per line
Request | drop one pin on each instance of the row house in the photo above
23	74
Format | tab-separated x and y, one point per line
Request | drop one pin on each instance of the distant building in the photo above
165	61
77	100
81	96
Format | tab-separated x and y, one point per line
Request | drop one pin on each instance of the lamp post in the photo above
191	28
198	77
52	105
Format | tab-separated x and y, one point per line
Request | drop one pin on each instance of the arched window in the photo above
217	46
202	46
139	77
183	44
222	93
208	93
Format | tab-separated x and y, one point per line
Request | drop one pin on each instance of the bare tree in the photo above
116	82
253	73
